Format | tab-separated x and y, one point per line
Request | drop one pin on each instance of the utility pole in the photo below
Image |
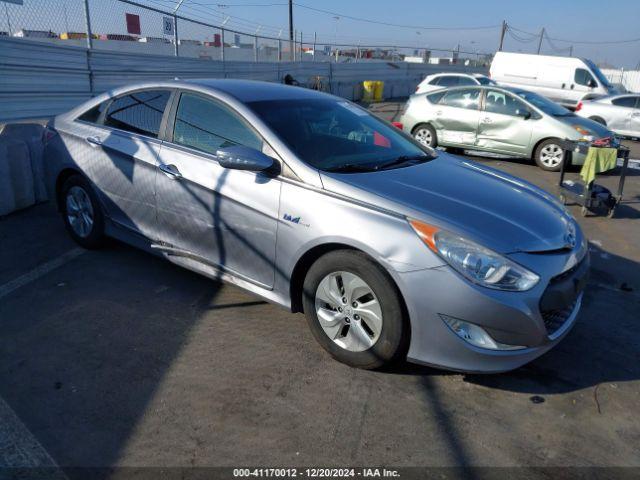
503	31
291	38
540	42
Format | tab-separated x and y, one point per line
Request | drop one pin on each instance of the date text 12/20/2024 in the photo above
315	473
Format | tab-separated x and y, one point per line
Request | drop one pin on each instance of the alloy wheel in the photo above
79	211
424	136
551	155
348	311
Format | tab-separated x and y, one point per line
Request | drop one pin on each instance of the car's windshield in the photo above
485	81
334	135
596	71
547	106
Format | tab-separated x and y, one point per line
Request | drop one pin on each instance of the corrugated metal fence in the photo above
39	80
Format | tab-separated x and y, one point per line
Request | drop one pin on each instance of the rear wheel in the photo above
354	310
426	135
81	212
549	155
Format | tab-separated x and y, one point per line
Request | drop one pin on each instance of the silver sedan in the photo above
619	113
391	250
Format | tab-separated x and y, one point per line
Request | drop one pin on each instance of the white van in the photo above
566	80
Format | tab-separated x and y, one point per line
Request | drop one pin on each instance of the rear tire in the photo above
81	212
354	310
549	155
426	135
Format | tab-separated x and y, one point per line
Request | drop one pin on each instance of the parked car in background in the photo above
447	80
390	249
508	121
620	113
565	80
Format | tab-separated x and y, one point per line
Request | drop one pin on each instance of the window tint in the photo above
583	77
436	97
466	81
463	98
625	102
92	115
206	125
448	81
140	112
500	102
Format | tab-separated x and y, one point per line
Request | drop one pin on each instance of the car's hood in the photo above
500	211
596	129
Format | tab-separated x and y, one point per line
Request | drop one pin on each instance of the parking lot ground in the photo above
117	358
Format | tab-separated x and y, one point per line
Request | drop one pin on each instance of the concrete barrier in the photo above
31	134
16	176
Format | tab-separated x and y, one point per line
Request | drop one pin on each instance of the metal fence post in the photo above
255	48
175	35
87	21
315	39
222	44
279	50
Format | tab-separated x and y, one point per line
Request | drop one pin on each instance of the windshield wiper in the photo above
404	160
352	168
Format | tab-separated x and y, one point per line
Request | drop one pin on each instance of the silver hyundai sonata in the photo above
391	250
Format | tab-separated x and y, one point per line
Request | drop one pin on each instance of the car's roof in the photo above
458	74
253	90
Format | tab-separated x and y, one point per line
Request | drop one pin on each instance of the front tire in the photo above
354	310
426	135
81	212
549	155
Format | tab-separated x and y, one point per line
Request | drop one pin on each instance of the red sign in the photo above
133	24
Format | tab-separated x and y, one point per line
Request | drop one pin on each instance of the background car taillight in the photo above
579	106
397	125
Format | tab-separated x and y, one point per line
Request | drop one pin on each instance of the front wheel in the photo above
549	155
354	310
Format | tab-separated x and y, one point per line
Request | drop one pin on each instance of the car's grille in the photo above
554	319
561	296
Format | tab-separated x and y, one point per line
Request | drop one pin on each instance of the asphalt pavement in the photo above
114	358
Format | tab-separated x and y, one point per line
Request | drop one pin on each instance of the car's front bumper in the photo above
511	318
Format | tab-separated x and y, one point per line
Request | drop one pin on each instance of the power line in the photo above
585	42
388	24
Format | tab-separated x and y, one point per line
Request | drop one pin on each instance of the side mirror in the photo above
239	157
592	83
525	114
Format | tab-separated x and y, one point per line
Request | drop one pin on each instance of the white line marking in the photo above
20	449
39	271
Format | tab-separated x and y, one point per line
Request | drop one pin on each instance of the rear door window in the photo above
466	81
463	98
93	114
139	112
448	81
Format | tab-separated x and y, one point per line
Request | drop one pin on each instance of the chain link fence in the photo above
130	26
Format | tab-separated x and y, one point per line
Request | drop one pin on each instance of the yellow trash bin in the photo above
378	91
368	90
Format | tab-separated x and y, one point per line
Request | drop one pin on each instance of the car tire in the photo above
426	135
549	155
81	212
346	296
600	120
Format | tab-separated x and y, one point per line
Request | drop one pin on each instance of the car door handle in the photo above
170	170
572	85
439	112
487	120
564	85
97	141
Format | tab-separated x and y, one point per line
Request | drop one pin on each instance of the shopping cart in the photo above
591	197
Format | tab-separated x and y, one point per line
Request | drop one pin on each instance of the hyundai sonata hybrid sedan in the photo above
390	249
506	121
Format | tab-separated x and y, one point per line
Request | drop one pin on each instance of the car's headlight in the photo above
475	262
